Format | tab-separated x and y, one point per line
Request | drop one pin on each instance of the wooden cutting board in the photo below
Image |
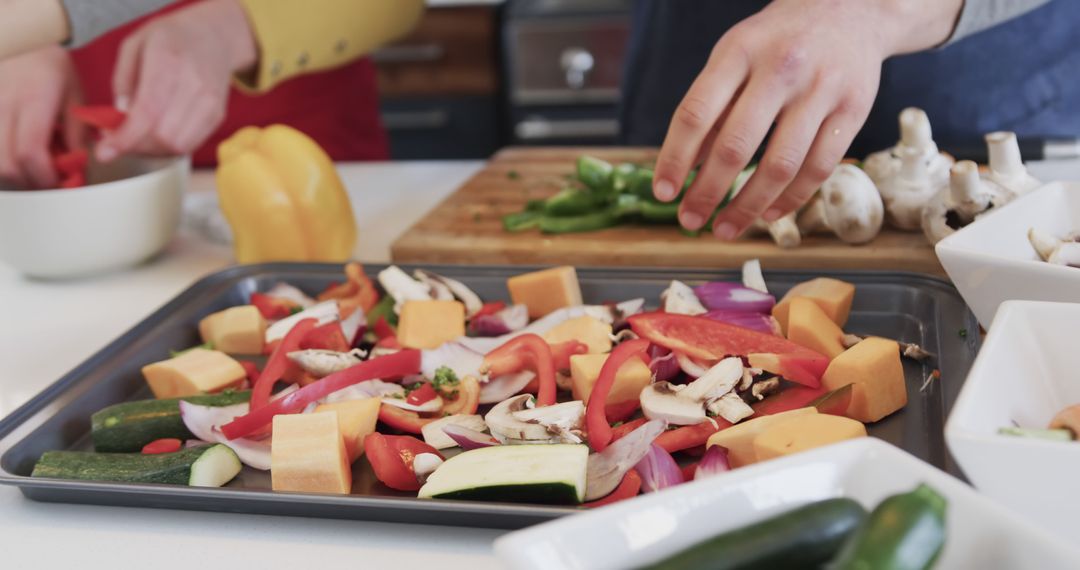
467	228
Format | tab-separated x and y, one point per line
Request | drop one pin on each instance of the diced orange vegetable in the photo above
593	333
739	438
874	369
630	380
236	330
429	324
196	371
834	297
356	419
809	326
307	454
545	291
805	432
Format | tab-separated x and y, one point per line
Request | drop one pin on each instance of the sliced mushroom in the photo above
680	299
511	421
762	388
322	363
424	464
661	401
907	349
1007	166
435	436
915	135
717	381
457	289
730	407
849	205
402	288
957	205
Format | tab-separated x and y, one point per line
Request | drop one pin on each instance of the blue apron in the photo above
1023	75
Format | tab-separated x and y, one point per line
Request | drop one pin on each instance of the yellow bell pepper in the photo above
283	198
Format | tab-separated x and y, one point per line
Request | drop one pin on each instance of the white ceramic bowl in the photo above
1027	371
96	228
650	528
991	260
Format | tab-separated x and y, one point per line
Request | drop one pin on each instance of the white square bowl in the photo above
991	260
652	527
1027	371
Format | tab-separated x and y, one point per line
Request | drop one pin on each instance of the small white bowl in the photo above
652	527
1027	370
991	260
105	226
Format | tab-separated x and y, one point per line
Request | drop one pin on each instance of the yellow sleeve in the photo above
302	36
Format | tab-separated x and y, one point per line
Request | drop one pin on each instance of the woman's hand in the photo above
173	75
807	70
36	89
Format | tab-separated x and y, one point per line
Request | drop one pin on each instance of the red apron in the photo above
339	108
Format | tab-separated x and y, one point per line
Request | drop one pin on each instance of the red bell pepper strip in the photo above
835	403
596	421
690	436
382	329
490	308
561	353
621	411
328	336
273	307
251	370
709	340
395	365
73	180
388	342
625	428
104	117
419	396
391	457
163	445
357	290
627	489
71	162
407	421
788	398
278	363
464	398
688	471
525	351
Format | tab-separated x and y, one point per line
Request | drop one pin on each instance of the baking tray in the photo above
905	306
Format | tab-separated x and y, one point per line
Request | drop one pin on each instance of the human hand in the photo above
36	90
172	77
810	68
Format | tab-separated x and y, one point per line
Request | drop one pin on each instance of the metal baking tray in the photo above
909	307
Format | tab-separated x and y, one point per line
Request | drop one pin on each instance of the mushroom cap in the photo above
907	192
916	134
851	204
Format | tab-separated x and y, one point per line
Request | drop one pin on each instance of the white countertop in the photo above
47	328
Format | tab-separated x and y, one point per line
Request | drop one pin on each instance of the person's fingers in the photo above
153	95
695	117
207	114
739	137
33	128
831	143
74	132
185	107
126	72
10	174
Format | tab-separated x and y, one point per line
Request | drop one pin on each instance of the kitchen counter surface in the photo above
48	327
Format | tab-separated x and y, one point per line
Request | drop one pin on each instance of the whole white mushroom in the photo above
907	192
848	205
916	134
966	197
1007	166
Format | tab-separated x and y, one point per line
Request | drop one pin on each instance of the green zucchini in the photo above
205	466
549	474
905	532
805	537
129	426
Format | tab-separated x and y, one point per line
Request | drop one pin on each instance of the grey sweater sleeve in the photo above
978	15
89	19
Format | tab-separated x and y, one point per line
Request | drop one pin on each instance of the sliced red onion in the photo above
606	469
714	462
204	423
760	322
290	293
691	367
353	326
658	470
325	312
733	297
463	360
752	277
508	320
610	314
503	387
662	363
469	438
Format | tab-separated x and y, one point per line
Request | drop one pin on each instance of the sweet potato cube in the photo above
356	419
307	454
236	330
196	371
630	380
834	297
594	333
809	326
874	369
545	291
739	438
429	324
803	433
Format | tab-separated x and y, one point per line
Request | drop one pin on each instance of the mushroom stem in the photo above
969	197
812	218
913	167
784	231
1044	243
1004	152
915	131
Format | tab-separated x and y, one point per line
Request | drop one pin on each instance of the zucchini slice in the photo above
129	426
550	474
206	466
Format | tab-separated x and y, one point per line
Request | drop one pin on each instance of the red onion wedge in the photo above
503	387
611	314
733	297
658	470
469	438
204	423
506	321
662	363
760	322
606	469
714	462
752	277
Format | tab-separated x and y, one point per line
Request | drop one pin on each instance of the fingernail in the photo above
664	190
105	153
691	220
771	215
122	102
725	231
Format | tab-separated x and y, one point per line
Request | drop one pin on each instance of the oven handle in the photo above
535	129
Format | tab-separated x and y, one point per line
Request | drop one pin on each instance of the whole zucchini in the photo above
205	466
905	532
129	426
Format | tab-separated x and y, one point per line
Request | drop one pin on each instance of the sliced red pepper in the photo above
621	411
688	471
521	352
382	329
490	308
596	421
709	340
278	364
388	342
328	336
73	180
71	162
561	353
627	489
627	427
163	445
104	117
787	399
397	365
464	398
407	421
421	395
251	370
273	308
835	403
686	437
392	456
357	291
